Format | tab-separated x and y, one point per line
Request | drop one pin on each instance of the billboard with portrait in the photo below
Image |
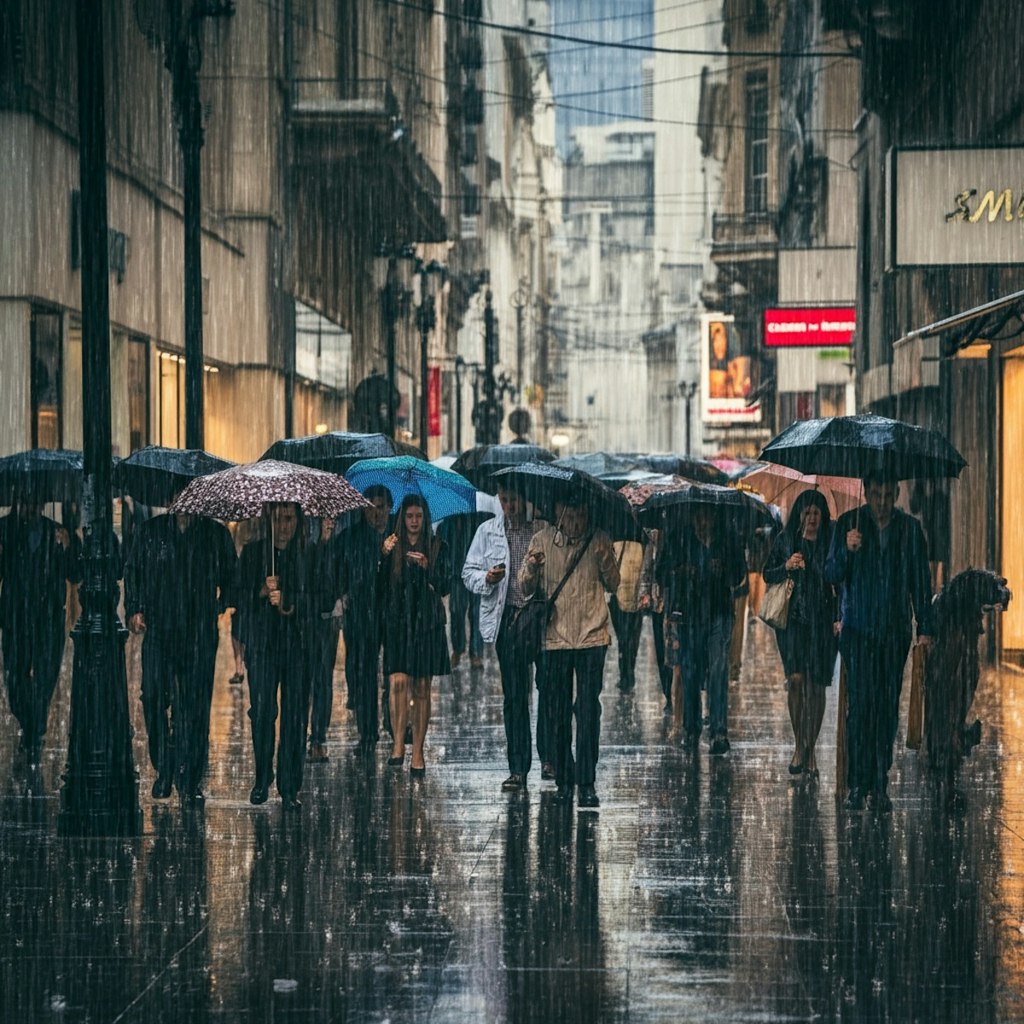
729	374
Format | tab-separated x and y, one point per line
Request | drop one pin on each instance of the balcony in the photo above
343	127
742	237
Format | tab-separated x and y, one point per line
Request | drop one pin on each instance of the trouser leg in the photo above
738	627
361	655
291	753
263	684
589	670
476	639
893	656
322	681
46	660
458	606
543	710
157	692
718	641
18	675
515	687
558	681
193	742
860	716
694	664
664	671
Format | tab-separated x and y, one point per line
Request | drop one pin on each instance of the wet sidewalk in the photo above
703	889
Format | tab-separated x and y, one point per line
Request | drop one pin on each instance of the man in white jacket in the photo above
491	570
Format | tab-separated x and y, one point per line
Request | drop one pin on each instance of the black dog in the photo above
951	675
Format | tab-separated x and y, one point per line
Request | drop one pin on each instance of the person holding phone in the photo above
491	570
413	577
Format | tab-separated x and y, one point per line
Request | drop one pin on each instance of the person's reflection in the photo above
174	916
277	957
807	902
866	941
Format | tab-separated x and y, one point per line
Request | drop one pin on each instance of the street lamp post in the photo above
392	273
100	792
687	389
429	276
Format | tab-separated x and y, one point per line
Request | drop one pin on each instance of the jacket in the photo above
580	618
879	591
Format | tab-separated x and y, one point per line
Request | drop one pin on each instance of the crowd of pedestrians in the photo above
858	587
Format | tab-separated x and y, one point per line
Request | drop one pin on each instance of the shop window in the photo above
172	400
795	405
46	374
138	393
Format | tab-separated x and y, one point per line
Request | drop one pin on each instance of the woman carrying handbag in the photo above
807	640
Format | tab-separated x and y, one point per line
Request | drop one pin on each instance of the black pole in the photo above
459	365
389	304
491	415
426	323
100	792
191	147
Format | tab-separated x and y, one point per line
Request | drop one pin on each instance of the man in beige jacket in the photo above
577	639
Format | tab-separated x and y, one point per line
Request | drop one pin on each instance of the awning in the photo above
991	321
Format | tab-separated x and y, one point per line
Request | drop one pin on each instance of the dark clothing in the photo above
808	643
413	615
34	572
698	582
664	671
516	682
359	557
326	635
587	664
627	626
881	584
179	580
279	646
462	605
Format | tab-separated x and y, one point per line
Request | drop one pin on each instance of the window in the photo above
796	405
172	400
138	393
46	378
757	143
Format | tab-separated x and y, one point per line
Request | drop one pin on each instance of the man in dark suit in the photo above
879	560
177	578
38	558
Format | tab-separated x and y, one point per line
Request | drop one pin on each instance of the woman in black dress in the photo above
413	576
808	643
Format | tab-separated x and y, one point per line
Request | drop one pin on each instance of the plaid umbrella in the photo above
446	493
155	475
242	491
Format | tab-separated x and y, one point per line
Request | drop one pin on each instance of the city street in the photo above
701	890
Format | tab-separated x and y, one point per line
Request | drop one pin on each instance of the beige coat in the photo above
630	557
581	611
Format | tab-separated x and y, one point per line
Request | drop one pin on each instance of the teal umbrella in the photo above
445	493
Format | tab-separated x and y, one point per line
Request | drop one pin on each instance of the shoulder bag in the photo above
774	608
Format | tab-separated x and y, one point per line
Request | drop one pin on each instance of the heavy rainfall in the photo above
508	511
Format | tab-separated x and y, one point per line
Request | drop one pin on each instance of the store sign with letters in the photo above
955	207
809	327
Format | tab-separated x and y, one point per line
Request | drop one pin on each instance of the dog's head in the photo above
970	594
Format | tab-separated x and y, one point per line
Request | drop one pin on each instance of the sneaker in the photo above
514	783
720	745
563	794
587	797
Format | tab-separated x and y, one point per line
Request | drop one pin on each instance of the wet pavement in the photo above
703	889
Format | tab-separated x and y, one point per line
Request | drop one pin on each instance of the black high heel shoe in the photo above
396	762
417	773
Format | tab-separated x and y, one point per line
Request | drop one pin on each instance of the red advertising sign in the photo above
795	328
434	401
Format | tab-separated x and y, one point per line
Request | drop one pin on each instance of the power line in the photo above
614	45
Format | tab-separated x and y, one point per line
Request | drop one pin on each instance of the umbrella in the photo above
242	491
155	475
544	485
781	485
41	475
446	493
733	466
662	501
856	446
688	466
336	451
599	464
480	463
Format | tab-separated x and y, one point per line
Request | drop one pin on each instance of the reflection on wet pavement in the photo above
702	890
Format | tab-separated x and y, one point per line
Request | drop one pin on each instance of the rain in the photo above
508	511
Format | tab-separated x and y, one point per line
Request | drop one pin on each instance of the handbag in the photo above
774	610
528	627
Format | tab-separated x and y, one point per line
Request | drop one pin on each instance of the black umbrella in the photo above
480	463
544	485
337	451
41	475
155	475
744	510
858	446
688	466
603	465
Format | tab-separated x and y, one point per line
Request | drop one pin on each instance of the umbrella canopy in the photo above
337	451
599	464
543	485
733	466
242	491
155	475
688	466
667	500
480	463
446	493
781	486
856	446
41	475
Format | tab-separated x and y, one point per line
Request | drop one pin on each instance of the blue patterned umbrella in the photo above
446	493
